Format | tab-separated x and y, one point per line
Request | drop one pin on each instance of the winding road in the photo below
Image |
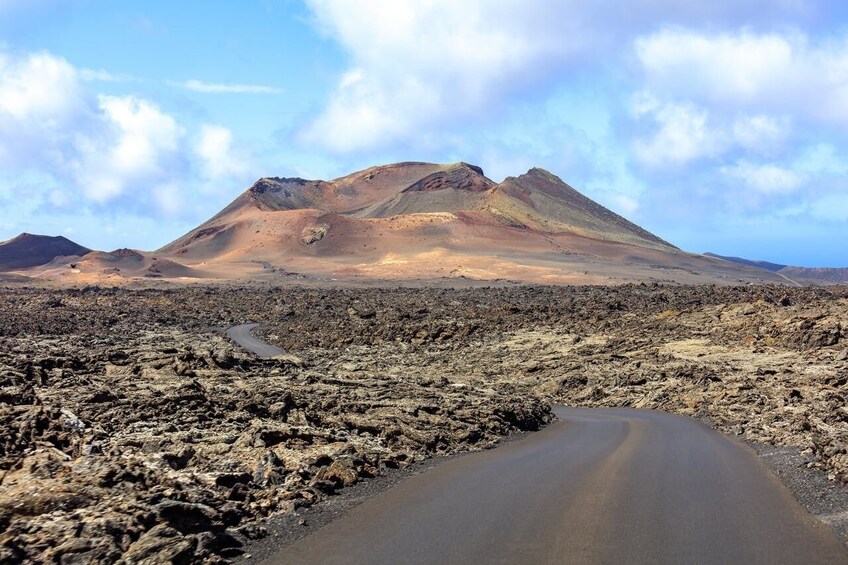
242	335
601	485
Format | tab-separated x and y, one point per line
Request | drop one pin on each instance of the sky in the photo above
720	126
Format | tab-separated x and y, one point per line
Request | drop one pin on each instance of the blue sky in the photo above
719	126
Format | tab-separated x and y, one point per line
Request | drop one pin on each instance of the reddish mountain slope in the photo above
427	221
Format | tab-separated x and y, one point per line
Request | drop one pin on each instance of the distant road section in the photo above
599	486
242	335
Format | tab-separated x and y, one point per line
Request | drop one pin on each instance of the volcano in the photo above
424	221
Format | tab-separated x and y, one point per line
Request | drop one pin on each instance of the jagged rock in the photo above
135	432
161	544
340	473
270	470
187	517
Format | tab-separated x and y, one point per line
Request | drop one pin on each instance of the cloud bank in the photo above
102	150
686	116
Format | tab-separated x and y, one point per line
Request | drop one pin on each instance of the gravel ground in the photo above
823	498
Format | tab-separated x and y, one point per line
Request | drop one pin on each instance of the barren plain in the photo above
136	431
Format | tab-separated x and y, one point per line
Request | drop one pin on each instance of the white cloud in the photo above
99	75
643	103
119	152
684	132
415	66
144	132
137	146
775	73
683	135
226	88
622	204
821	159
760	132
42	105
217	156
39	87
418	69
361	115
724	67
765	179
58	198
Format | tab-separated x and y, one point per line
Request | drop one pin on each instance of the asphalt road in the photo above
242	336
599	486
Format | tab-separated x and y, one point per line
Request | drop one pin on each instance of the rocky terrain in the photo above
768	364
136	431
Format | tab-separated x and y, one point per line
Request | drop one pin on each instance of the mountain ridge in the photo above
810	275
417	220
531	200
411	221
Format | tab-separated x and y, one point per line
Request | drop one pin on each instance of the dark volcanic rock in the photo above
137	432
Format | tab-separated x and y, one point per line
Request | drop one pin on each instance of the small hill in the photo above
816	275
28	250
805	275
114	267
10	278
